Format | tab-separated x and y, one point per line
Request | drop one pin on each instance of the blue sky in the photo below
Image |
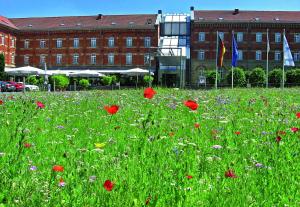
32	8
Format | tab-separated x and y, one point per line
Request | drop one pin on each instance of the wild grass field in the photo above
230	148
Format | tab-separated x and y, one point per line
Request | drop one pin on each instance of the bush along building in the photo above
180	48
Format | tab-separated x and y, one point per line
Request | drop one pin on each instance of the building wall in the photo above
249	46
7	47
85	50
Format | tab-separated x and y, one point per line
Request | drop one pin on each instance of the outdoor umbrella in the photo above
136	72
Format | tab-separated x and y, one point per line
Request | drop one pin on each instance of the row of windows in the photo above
240	37
93	59
258	55
93	42
12	42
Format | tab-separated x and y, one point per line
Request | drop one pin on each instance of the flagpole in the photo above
231	59
268	50
217	49
283	59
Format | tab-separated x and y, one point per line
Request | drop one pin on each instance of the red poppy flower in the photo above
278	139
58	168
197	125
1	102
149	93
237	133
27	145
191	104
298	115
189	177
230	174
111	109
294	129
108	185
40	105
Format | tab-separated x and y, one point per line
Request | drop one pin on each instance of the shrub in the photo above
211	77
148	79
257	77
239	78
61	81
247	76
293	76
107	80
32	80
275	77
84	83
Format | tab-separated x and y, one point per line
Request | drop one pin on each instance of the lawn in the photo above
238	148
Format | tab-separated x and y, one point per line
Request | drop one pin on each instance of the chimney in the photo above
236	11
159	12
192	8
99	17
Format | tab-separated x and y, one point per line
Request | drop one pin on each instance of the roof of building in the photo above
6	22
85	22
247	16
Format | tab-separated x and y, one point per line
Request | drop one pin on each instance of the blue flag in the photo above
234	52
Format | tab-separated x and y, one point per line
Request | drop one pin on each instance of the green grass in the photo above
151	146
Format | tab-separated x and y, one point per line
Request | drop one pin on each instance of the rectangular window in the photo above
128	58
240	55
26	44
59	43
201	36
76	43
297	38
297	56
93	59
111	42
147	59
240	37
42	43
93	42
258	55
258	37
58	59
111	59
277	56
147	42
277	37
201	55
129	42
13	41
26	60
75	59
13	58
221	35
42	59
2	40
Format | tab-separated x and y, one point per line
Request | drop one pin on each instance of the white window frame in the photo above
147	42
201	55
128	58
59	59
93	42
76	43
297	38
13	58
75	59
240	54
277	55
221	35
59	43
42	59
277	37
2	40
258	37
147	58
129	42
111	58
258	55
26	59
93	59
111	42
201	36
297	56
42	43
26	44
13	42
240	37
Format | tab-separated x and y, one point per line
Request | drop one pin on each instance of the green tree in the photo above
211	77
275	77
257	77
148	79
107	80
32	80
84	83
293	76
239	78
61	81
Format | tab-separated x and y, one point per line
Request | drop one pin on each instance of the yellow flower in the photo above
100	145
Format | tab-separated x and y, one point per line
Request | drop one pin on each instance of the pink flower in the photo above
40	105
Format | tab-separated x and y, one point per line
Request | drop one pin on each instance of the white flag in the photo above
268	42
288	58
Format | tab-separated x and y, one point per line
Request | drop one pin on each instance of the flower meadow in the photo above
152	147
